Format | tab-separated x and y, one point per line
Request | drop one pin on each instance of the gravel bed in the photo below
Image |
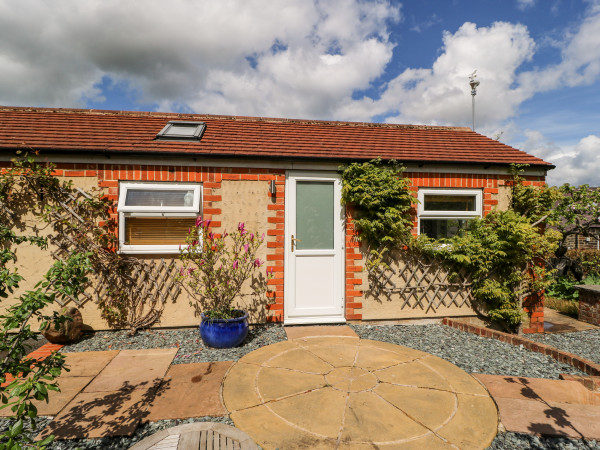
191	348
472	353
519	441
582	343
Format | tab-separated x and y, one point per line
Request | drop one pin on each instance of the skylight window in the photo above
181	130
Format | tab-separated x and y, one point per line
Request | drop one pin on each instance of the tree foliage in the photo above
28	186
577	211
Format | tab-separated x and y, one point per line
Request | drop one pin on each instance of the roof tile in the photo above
127	132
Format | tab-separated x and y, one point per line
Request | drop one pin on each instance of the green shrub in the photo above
563	289
589	260
592	279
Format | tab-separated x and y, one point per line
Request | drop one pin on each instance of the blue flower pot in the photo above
224	333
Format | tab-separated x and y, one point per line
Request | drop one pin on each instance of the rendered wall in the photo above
230	196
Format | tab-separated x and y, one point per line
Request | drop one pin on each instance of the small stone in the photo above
67	332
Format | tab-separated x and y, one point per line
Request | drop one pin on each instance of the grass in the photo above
568	307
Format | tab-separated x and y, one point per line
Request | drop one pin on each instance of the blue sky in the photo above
538	62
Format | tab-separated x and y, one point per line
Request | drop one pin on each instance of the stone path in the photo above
190	390
545	407
115	400
343	392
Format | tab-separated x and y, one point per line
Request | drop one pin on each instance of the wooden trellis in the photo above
420	282
148	285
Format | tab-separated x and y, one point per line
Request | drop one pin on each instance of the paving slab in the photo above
116	400
540	389
300	331
99	414
190	390
545	407
556	322
69	388
550	419
87	364
133	369
341	392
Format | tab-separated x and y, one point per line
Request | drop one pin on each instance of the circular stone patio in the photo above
343	392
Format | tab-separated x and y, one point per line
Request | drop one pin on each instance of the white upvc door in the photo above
314	248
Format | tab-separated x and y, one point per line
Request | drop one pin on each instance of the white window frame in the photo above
448	214
154	211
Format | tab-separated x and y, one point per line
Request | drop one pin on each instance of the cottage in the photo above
280	177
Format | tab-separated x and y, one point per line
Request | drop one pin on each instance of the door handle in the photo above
294	242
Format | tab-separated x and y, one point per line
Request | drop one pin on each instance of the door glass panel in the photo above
314	215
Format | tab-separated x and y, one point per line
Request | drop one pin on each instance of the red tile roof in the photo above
70	130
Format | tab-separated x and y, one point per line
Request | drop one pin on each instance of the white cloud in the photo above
575	164
580	62
525	4
440	95
293	58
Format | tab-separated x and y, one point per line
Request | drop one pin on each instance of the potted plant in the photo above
215	268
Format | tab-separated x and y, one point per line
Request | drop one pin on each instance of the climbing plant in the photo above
504	252
383	203
27	187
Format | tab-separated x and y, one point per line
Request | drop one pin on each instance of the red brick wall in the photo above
490	185
589	305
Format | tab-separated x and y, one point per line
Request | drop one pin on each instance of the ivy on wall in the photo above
504	251
383	206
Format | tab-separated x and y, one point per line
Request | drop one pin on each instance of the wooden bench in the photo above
198	436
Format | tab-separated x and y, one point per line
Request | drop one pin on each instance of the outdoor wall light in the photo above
272	188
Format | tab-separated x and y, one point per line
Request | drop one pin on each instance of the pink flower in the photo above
262	238
251	236
235	264
199	221
257	262
211	235
246	247
242	228
207	223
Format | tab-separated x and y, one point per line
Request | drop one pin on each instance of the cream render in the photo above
249	201
243	201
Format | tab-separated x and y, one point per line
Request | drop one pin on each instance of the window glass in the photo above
449	202
182	130
314	215
159	198
443	228
156	217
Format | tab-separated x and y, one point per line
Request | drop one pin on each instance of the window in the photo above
445	212
182	130
156	217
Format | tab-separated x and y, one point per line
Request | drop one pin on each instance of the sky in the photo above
537	61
